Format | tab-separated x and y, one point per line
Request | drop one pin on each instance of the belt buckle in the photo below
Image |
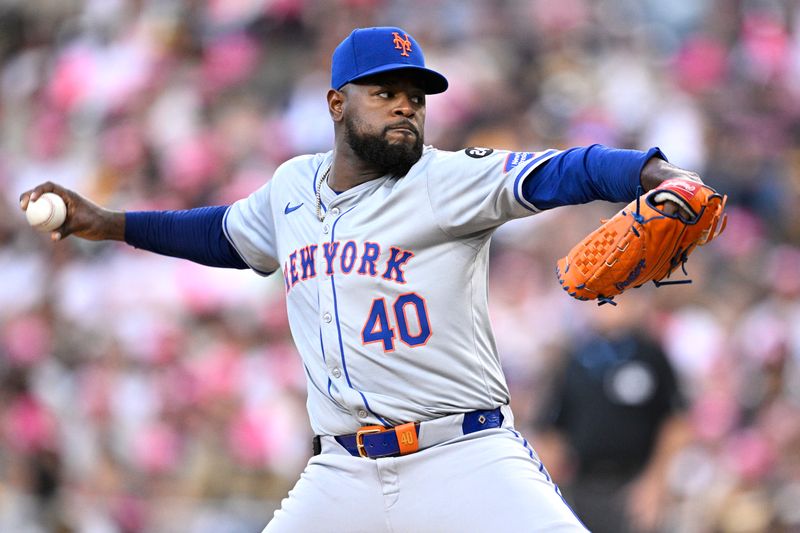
366	430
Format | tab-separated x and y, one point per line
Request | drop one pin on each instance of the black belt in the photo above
377	441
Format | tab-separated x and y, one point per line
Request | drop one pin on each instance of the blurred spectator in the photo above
614	422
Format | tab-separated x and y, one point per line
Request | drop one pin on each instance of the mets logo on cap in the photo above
369	51
402	43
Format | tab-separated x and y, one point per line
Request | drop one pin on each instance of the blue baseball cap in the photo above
368	51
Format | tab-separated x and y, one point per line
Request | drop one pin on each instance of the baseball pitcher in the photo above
383	246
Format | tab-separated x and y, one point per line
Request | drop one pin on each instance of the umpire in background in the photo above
613	423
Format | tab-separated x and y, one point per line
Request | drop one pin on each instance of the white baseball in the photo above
47	213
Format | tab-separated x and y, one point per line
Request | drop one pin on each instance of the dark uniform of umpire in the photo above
615	392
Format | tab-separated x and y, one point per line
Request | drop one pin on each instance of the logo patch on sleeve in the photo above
515	158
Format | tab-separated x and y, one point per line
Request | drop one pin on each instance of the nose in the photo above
404	107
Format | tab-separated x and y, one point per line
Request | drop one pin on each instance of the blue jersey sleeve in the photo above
581	175
194	234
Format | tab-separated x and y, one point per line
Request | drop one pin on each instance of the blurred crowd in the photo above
140	393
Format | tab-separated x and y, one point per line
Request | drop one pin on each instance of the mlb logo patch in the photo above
515	158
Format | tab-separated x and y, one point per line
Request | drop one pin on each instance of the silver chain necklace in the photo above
318	191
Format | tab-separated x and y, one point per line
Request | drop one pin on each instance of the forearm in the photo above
194	234
673	436
113	226
581	175
657	170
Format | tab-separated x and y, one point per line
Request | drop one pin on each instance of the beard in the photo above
375	150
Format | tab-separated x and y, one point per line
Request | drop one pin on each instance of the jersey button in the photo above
325	229
336	372
327	318
362	413
335	211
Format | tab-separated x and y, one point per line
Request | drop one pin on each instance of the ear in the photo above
336	104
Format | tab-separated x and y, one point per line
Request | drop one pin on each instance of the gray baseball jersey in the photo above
387	295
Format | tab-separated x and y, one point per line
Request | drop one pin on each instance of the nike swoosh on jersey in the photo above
287	209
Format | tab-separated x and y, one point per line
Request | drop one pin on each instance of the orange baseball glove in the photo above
643	242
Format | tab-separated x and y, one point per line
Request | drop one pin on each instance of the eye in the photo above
419	100
384	94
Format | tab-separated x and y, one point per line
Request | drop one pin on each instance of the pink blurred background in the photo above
144	394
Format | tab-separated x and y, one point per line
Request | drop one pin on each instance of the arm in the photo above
581	175
658	170
85	219
194	234
648	492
